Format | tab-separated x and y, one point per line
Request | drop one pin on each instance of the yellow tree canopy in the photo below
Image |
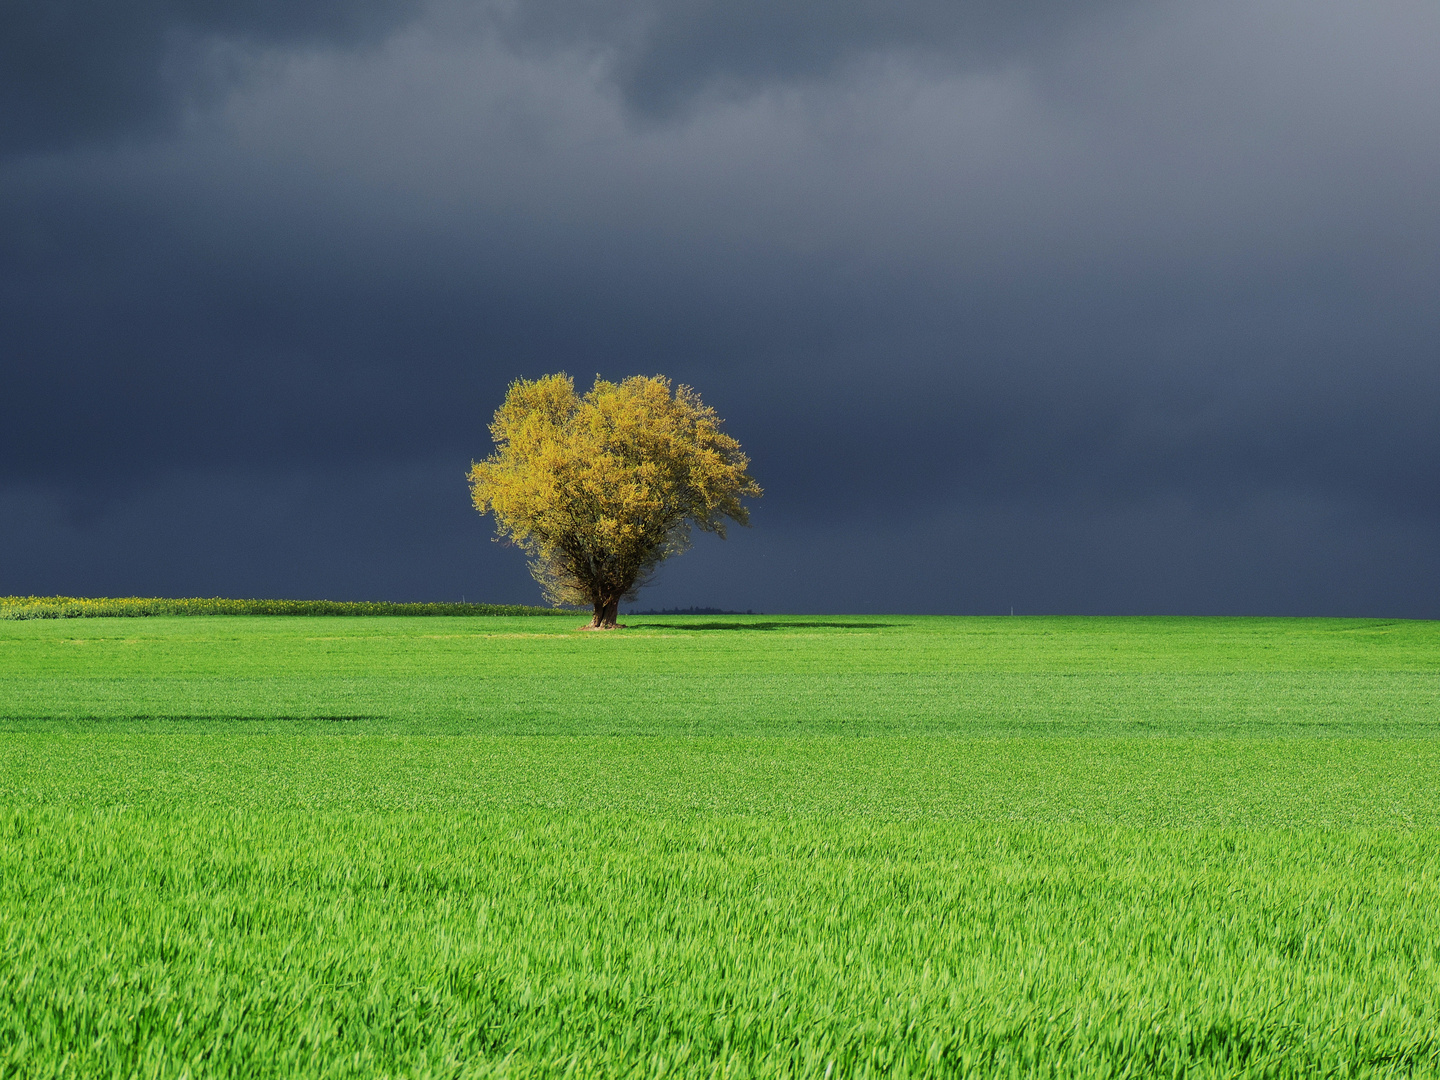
600	489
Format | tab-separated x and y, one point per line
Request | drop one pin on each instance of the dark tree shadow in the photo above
761	625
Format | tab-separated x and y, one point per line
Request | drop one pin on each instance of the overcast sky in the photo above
1093	307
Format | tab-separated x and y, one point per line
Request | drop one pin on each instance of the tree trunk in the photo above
606	614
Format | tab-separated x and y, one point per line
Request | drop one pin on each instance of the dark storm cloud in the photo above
1071	308
85	69
664	54
77	71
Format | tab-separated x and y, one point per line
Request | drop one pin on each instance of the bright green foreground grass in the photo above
1073	847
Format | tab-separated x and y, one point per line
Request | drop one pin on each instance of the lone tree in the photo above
599	490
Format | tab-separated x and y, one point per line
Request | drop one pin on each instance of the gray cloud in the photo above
663	56
76	71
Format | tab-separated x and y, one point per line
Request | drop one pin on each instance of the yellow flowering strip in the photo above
79	607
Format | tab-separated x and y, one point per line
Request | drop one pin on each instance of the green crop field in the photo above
719	846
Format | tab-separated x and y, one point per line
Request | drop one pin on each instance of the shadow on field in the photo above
761	625
236	718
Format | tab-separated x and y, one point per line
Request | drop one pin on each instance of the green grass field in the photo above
738	846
